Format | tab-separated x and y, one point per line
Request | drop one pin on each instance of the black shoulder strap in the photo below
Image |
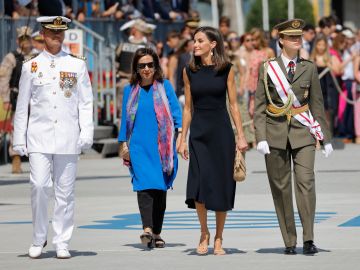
15	75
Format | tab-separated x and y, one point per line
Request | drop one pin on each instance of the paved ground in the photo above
107	222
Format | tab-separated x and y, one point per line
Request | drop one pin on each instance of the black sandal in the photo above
159	243
146	238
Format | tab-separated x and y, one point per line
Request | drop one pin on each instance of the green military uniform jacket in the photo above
276	130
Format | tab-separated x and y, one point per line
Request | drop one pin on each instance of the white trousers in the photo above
46	171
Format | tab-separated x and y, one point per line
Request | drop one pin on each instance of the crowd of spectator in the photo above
334	48
117	9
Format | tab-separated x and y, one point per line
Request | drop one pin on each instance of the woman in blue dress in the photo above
151	119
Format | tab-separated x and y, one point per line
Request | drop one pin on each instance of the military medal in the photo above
34	67
40	74
67	82
67	93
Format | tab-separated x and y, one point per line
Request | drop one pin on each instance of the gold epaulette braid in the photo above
283	110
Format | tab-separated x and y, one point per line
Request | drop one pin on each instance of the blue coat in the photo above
146	169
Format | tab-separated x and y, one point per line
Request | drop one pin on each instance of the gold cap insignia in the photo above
58	21
295	24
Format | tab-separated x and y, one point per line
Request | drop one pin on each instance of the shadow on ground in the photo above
280	250
52	254
145	248
229	251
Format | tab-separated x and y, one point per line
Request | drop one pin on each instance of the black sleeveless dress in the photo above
212	142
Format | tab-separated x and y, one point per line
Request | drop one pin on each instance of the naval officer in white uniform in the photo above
53	122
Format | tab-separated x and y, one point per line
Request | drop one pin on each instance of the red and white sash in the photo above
283	88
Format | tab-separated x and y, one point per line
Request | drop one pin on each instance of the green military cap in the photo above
54	22
291	27
193	22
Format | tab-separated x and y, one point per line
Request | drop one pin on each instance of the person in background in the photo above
208	80
224	26
162	58
239	59
172	41
323	61
10	71
150	107
337	67
289	120
356	95
346	120
191	24
260	53
138	30
274	41
186	48
38	43
260	43
234	43
325	29
53	123
308	37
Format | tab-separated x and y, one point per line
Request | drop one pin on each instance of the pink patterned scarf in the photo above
164	119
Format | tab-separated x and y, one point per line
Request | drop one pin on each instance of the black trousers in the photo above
152	205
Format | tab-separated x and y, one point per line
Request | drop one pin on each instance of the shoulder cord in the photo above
283	109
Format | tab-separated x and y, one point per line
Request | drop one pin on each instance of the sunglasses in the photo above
143	65
234	39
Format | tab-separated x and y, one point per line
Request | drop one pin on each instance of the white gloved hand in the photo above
327	149
84	143
21	149
263	148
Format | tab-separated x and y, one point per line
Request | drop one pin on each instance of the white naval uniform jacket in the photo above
46	119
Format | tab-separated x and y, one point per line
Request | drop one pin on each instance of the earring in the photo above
211	53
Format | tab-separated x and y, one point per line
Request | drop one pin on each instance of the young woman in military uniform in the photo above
289	120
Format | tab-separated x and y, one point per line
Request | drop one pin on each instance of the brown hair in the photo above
260	33
340	38
219	57
135	76
225	20
314	53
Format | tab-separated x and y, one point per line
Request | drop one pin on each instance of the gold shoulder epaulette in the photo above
31	57
78	56
268	60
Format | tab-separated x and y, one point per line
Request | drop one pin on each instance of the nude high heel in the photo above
218	250
202	248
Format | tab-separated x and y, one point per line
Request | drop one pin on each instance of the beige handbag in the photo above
124	151
239	167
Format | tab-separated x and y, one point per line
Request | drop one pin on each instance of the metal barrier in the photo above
100	39
102	64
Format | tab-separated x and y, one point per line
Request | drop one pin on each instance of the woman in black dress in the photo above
212	143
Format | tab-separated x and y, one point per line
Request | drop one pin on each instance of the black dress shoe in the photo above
290	250
309	248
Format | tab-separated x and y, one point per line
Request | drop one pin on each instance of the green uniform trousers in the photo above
278	165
